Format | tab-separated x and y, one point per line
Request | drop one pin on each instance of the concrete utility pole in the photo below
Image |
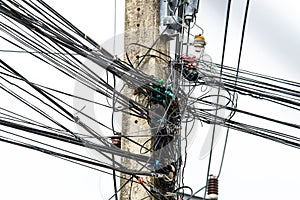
142	20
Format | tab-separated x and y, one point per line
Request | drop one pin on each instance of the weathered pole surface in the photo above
142	22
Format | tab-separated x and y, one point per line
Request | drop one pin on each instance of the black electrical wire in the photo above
61	155
64	44
127	181
113	129
222	63
236	78
58	47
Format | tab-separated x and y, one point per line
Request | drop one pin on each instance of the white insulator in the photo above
199	43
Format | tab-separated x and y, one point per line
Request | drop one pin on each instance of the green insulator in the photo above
161	81
157	88
169	93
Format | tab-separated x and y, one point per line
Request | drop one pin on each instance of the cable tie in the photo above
141	181
76	119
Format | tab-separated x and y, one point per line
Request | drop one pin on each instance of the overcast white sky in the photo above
254	168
